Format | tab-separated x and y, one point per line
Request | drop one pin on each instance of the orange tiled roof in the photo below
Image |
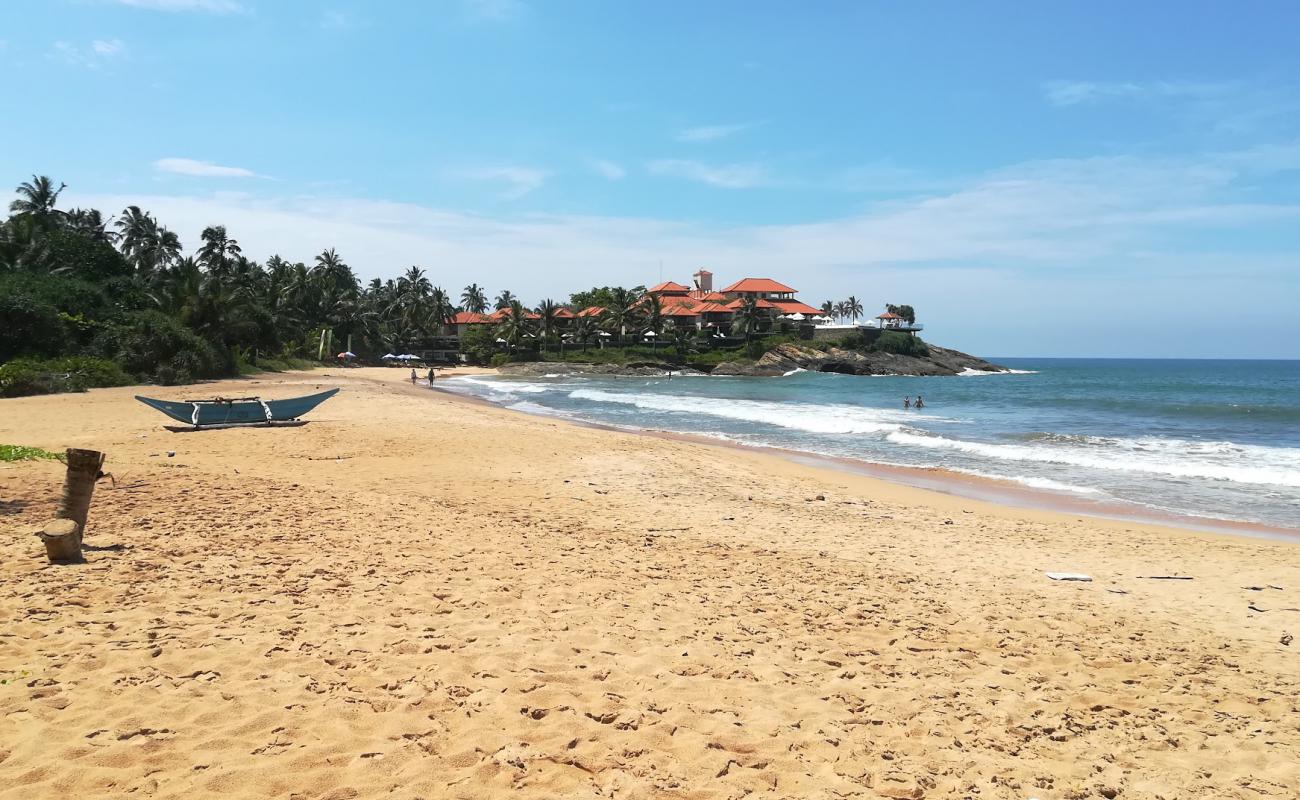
591	311
795	306
889	315
564	312
668	286
712	308
761	303
757	285
469	318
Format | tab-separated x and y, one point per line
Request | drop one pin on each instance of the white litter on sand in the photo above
1069	576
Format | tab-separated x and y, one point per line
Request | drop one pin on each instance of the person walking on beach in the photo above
431	377
413	377
907	402
919	402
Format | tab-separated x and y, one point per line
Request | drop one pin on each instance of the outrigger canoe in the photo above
230	411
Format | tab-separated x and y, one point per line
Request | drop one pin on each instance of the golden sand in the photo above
419	596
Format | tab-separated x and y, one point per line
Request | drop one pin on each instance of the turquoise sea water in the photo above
1216	439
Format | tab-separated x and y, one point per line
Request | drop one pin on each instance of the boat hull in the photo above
237	412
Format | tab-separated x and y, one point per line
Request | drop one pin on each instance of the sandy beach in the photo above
416	595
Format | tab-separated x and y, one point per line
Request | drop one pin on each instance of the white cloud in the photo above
107	48
608	169
1069	93
206	6
202	169
711	133
519	180
727	176
99	53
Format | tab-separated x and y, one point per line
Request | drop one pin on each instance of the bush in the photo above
154	346
498	359
900	344
31	327
28	376
479	344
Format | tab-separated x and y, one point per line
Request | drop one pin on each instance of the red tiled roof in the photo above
564	312
795	306
712	308
469	318
682	309
761	303
668	286
757	285
591	311
889	315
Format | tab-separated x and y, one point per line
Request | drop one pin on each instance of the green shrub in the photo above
28	376
479	344
498	359
154	346
30	328
902	344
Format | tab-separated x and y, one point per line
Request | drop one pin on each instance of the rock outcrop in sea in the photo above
786	357
780	360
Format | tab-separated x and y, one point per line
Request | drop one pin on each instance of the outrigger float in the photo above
236	412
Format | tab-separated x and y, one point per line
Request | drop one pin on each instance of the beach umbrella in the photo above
650	334
604	334
388	355
796	316
501	341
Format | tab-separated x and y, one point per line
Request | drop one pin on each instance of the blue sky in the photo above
1037	179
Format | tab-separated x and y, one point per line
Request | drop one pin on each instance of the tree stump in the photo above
78	486
62	539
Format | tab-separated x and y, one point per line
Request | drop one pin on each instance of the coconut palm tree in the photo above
515	325
828	309
474	299
217	250
548	323
853	308
584	330
89	223
841	310
652	314
505	299
440	308
622	312
680	335
36	198
748	318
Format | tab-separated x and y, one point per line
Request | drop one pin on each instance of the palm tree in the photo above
474	299
515	325
828	309
548	321
748	317
841	311
505	299
89	223
652	312
584	330
217	250
622	312
853	308
440	308
36	198
680	335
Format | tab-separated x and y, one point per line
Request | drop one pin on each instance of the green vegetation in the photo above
902	344
16	452
26	376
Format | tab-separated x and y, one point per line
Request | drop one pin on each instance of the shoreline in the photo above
996	491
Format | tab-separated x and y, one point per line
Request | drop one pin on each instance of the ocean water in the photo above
1214	439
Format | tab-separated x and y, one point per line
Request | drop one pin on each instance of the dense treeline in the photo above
87	299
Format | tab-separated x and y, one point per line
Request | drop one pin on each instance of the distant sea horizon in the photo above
1215	439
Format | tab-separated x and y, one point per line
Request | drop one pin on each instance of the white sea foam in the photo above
794	371
811	418
1220	461
971	372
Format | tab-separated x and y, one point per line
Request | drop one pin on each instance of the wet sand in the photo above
418	596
